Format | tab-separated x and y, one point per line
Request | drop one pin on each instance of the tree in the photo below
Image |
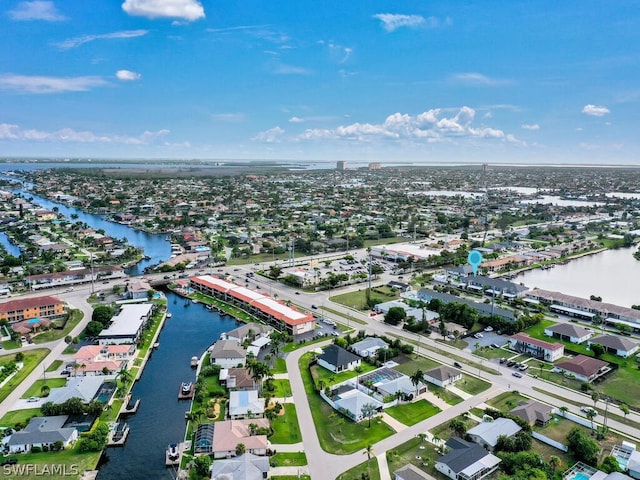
202	465
458	426
582	447
624	408
103	314
590	415
597	349
564	409
44	390
240	449
395	315
368	411
124	375
610	464
555	463
416	378
368	451
93	329
595	396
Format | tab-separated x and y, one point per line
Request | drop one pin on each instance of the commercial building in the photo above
523	343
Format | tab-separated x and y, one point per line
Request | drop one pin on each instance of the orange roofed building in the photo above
273	312
26	308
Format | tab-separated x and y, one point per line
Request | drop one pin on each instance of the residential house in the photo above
584	368
568	332
227	354
245	404
353	401
533	412
621	346
227	434
427	295
237	379
138	289
244	467
203	439
102	359
369	346
27	308
85	388
443	375
466	461
337	359
523	343
42	431
487	432
494	286
410	472
249	332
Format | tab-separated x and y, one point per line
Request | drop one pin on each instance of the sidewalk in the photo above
383	466
289	471
460	393
287	447
393	423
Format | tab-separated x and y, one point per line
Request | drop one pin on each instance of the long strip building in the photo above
264	307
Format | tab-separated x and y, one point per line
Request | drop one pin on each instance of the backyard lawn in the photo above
336	433
412	413
419	454
285	427
416	363
472	385
75	316
70	458
330	378
18	416
506	401
288	459
358	299
282	388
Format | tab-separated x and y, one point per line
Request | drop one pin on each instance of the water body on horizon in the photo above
160	418
10	248
612	275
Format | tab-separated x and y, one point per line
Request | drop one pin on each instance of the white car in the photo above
477	335
488	329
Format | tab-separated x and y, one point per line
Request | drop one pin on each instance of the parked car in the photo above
488	329
32	399
517	374
503	360
477	335
510	363
315	307
65	372
586	409
523	367
457	365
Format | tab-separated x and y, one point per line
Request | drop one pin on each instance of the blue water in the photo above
581	476
160	419
31	321
10	248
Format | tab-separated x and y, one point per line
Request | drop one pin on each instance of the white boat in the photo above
185	388
169	315
194	362
172	451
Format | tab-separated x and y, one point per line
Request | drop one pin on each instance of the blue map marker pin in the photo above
474	259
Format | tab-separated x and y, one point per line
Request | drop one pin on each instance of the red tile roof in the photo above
25	303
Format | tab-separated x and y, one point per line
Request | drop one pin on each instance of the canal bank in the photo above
160	420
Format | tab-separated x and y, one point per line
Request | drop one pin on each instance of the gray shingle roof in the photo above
614	341
338	356
43	430
463	454
569	329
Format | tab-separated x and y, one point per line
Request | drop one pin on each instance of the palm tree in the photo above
358	371
368	451
124	375
458	426
590	415
555	463
624	408
595	396
476	346
422	437
416	378
564	409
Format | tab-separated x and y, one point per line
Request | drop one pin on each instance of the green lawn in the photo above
111	414
285	427
537	331
55	365
446	395
411	452
75	316
34	390
417	363
292	346
283	388
279	366
292	459
349	318
31	360
444	433
412	413
337	434
330	378
358	299
506	401
472	385
71	458
369	467
18	416
491	353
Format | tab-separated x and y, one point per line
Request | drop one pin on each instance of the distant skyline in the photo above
398	82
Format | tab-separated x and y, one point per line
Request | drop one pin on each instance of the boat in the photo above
194	362
156	345
209	307
169	315
172	452
185	388
195	301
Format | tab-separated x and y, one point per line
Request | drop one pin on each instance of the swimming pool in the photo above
31	321
581	476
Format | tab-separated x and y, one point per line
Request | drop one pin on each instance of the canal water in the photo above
613	275
160	418
9	247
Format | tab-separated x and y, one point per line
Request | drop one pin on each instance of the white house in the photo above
487	432
245	404
369	346
615	344
127	325
42	431
443	375
227	354
568	332
337	359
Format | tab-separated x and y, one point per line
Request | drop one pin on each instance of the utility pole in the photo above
93	291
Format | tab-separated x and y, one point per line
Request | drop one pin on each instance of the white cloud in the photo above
43	85
296	120
188	10
595	110
393	21
69	135
38	10
527	126
284	69
228	117
272	135
128	75
474	78
77	41
430	126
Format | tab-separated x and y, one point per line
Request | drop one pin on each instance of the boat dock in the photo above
118	435
182	447
186	395
130	407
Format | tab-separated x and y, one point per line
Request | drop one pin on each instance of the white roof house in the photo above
126	326
245	402
369	346
487	432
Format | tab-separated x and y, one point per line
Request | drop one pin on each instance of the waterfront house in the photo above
102	359
443	375
203	439
244	467
249	332
584	368
42	431
85	388
466	460
138	289
237	379
245	404
621	346
337	359
227	434
227	354
568	332
487	432
523	343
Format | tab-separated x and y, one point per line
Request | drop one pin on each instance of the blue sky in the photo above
402	81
